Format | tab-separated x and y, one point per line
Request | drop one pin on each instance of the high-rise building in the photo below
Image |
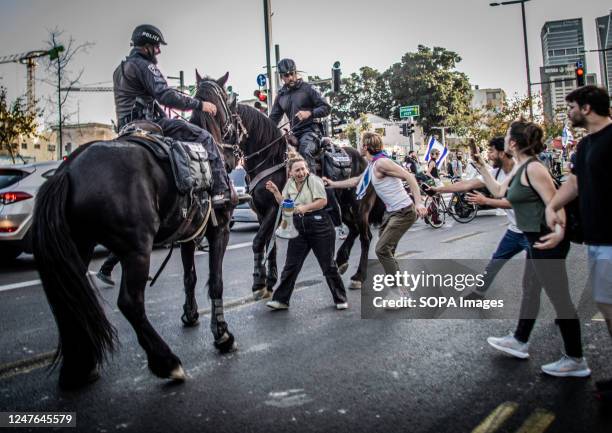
562	47
563	42
604	41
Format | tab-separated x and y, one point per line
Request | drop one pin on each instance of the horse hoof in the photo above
190	321
355	285
261	294
226	344
342	268
178	374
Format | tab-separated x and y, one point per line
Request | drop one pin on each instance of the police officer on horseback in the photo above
139	86
302	104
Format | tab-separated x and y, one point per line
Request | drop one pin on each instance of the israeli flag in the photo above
566	136
364	182
435	144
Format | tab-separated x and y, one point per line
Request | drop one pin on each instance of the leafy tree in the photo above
16	121
366	91
428	78
354	129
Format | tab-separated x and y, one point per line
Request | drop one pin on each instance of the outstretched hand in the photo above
327	181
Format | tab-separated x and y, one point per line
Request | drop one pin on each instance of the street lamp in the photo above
522	2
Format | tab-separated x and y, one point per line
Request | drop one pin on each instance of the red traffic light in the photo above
579	71
261	95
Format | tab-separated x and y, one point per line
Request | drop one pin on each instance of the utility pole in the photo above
59	106
522	2
276	74
268	35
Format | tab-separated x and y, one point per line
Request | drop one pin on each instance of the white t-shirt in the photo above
509	212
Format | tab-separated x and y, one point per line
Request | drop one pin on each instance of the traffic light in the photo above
262	99
336	73
410	129
407	129
580	74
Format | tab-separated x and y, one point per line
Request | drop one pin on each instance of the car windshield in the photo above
238	177
9	177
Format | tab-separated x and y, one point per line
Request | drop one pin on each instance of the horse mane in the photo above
206	121
262	131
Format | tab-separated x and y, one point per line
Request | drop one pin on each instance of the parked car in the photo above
243	212
19	185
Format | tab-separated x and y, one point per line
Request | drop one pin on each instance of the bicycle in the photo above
457	207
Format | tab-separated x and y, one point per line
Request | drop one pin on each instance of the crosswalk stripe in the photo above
598	317
496	418
537	422
14	286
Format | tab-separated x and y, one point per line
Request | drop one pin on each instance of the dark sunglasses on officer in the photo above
288	74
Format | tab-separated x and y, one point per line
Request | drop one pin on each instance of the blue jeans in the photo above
511	244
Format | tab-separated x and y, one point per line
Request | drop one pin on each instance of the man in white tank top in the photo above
386	177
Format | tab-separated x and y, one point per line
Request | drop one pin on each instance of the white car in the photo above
19	185
243	212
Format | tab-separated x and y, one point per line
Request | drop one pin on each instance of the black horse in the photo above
118	194
264	151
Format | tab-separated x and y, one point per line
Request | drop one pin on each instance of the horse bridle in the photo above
232	126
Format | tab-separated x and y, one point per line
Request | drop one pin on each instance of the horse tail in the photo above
84	331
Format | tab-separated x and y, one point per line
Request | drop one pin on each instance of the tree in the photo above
366	91
62	78
354	129
16	121
428	78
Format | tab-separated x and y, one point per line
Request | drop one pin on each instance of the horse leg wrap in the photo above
217	319
258	270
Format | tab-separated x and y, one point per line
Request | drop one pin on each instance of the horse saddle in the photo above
188	161
335	162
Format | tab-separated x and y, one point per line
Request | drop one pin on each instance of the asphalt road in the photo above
311	368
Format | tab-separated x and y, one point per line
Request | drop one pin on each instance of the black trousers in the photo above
309	141
185	131
316	233
545	269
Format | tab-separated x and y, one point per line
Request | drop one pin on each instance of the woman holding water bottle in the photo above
315	232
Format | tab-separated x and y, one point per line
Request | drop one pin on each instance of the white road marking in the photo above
23	284
230	247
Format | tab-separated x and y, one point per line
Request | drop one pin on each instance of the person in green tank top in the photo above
529	188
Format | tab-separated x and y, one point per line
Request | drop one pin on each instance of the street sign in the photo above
409	111
261	80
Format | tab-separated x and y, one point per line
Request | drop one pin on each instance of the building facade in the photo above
563	42
562	47
603	26
488	99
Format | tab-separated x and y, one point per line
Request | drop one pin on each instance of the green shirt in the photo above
312	189
527	204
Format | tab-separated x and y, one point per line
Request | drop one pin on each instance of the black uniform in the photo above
138	84
289	101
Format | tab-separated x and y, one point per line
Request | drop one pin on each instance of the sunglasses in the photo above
287	75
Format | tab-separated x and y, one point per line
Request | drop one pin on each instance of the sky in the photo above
216	36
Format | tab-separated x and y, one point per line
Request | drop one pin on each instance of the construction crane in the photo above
28	59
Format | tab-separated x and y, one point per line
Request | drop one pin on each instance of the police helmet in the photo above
286	66
147	34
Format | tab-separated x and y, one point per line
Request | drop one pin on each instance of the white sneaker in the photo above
275	305
342	306
568	367
510	345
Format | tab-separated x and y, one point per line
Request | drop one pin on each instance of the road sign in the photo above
409	111
261	80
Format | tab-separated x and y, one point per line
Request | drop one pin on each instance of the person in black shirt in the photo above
589	107
302	103
412	162
138	85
